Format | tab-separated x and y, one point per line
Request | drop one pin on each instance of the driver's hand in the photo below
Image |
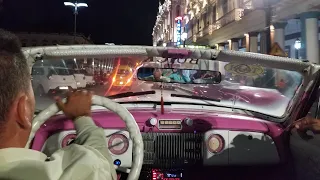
307	123
78	104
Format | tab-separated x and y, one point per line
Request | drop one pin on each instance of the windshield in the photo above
246	87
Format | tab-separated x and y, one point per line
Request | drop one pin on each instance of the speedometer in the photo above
68	139
118	144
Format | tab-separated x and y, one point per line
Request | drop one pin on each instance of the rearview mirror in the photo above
183	76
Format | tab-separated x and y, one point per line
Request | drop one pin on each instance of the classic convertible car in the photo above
172	135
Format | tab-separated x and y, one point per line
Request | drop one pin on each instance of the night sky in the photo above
107	21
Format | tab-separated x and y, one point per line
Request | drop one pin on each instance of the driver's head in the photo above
157	74
16	95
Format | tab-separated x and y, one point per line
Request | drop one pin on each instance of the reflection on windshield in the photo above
269	92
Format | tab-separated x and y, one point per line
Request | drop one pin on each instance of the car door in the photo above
306	153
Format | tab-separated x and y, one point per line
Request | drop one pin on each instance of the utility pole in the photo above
75	25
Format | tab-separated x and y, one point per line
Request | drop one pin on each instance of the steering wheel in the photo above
117	108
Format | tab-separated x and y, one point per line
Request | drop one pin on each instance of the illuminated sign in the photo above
178	33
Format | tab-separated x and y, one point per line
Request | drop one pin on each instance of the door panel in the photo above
306	157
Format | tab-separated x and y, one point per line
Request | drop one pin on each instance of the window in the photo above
205	19
37	71
60	71
178	10
190	28
225	6
214	14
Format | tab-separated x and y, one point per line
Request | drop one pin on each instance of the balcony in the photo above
234	15
203	34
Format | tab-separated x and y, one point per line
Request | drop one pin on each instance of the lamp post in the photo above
75	6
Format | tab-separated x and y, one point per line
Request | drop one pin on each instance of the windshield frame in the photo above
307	70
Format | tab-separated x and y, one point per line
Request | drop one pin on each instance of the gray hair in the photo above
14	72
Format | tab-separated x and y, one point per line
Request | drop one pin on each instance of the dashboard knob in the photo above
188	121
153	121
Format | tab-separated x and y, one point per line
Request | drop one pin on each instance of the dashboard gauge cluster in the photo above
218	146
120	147
118	144
118	141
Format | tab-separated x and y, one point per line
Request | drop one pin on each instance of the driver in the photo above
157	76
87	158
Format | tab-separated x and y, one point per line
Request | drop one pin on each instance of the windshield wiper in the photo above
128	94
195	97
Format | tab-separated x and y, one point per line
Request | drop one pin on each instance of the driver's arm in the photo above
88	134
89	154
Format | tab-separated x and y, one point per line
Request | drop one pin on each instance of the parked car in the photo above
50	80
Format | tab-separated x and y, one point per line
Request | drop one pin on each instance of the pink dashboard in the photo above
208	138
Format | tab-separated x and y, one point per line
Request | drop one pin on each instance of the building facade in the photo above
45	39
241	25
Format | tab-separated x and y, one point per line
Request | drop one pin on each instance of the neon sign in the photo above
178	33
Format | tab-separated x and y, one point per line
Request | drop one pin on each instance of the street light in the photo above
75	6
297	44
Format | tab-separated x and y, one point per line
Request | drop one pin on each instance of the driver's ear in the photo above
24	112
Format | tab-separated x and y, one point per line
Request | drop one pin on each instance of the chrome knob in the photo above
188	121
153	121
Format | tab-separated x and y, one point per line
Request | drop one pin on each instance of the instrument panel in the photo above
170	149
119	144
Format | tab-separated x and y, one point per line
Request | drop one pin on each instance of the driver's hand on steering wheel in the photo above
78	104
